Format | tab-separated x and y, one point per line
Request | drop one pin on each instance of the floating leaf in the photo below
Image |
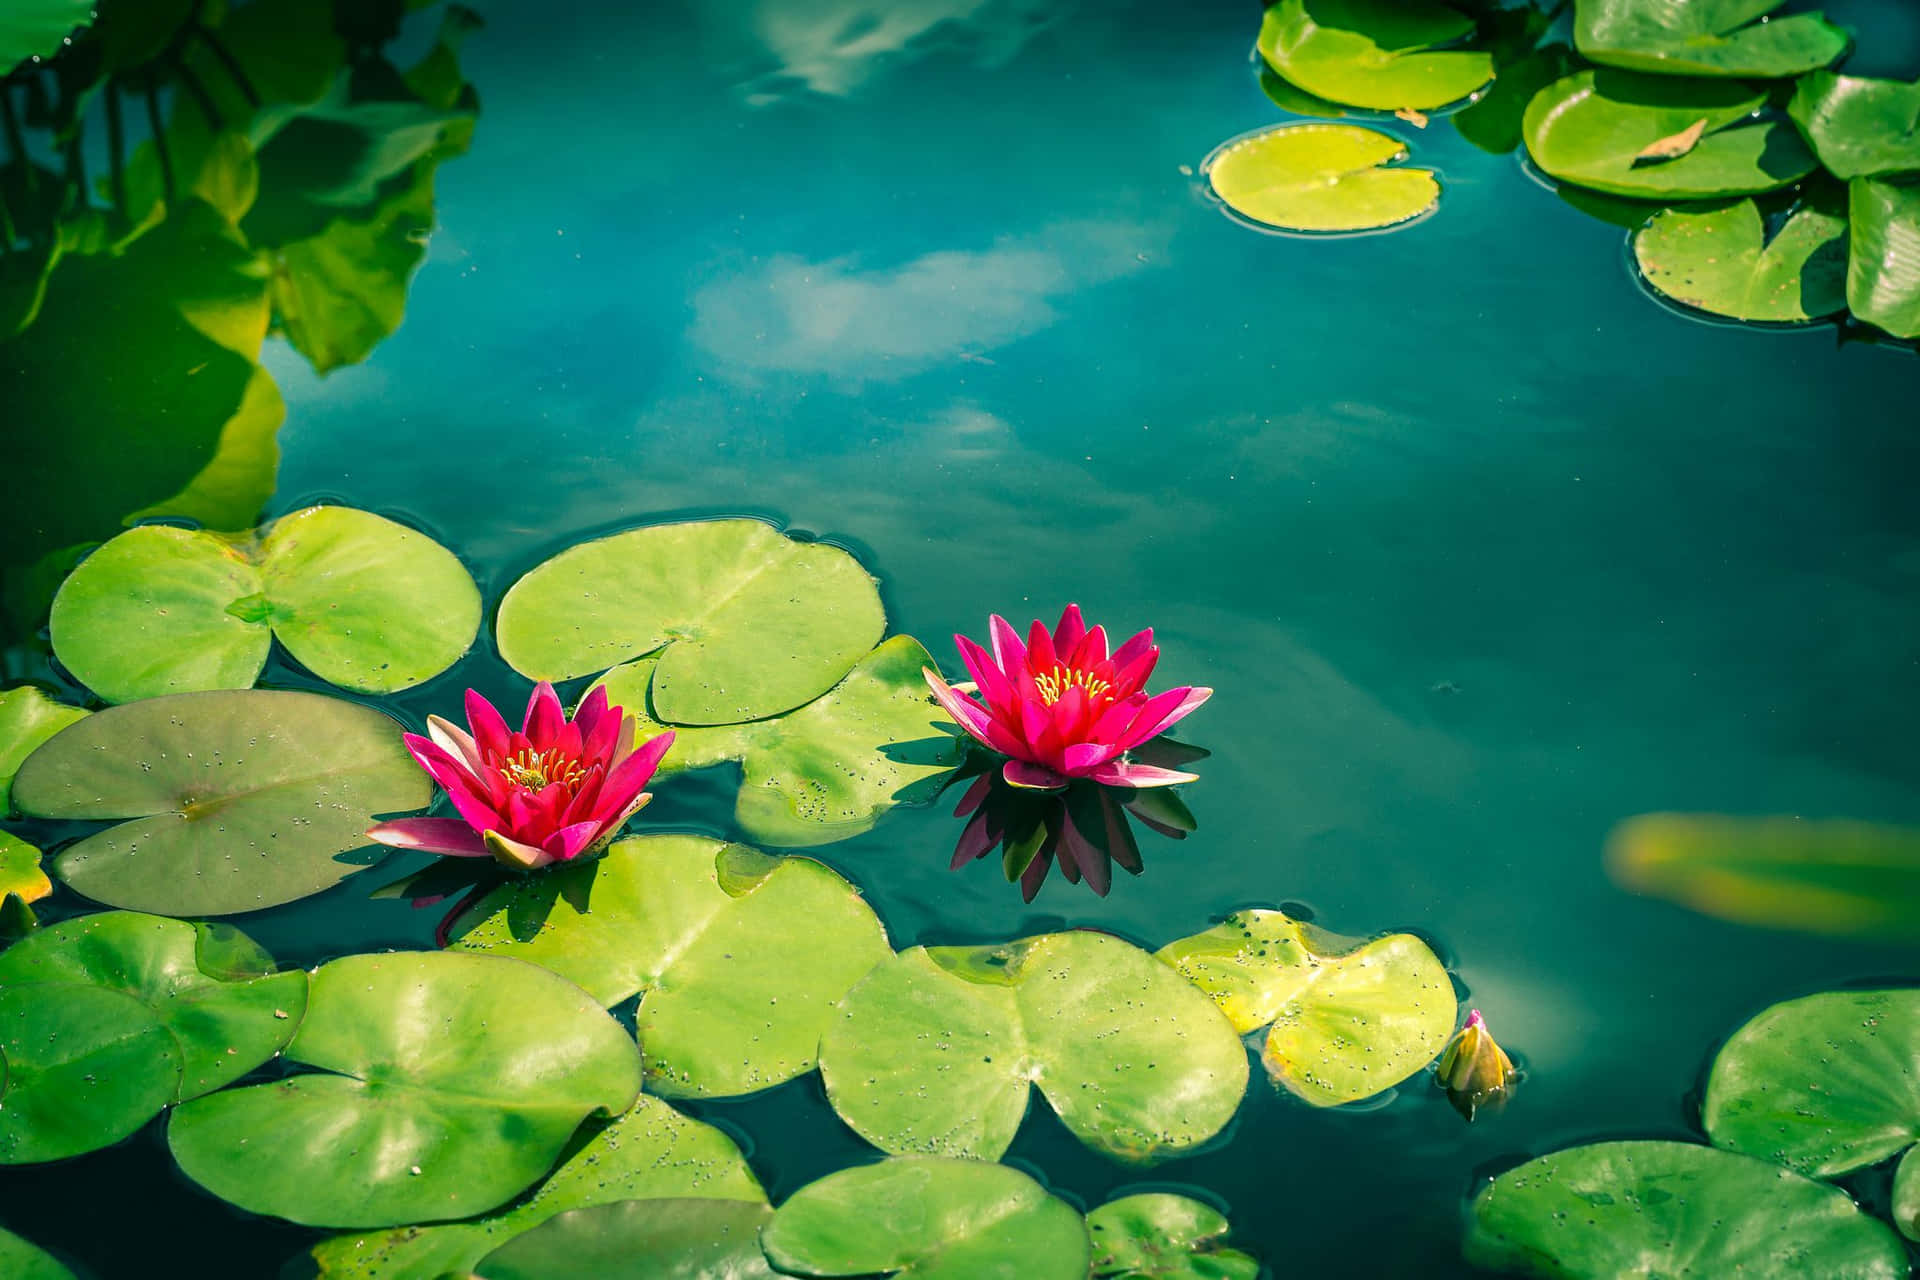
460	1080
210	986
1859	127
28	718
38	28
1674	146
1288	96
1720	260
936	1050
1672	1208
1374	53
1320	177
1847	879
1523	67
233	801
23	1260
830	769
360	601
707	593
1705	37
1883	269
1164	1237
1591	127
1348	1019
740	956
640	1240
81	1067
928	1218
651	1152
20	875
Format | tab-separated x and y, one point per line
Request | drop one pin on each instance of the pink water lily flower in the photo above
549	792
1060	706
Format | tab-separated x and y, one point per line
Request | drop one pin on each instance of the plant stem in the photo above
215	121
160	143
116	148
235	71
17	142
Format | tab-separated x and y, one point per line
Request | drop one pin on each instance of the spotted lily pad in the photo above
651	1152
445	1085
23	1260
683	1239
1883	269
1164	1237
21	878
830	769
358	600
1594	128
234	801
28	718
1859	127
1705	37
1345	1020
739	957
936	1050
1320	177
1380	54
928	1218
1673	1209
1721	260
707	594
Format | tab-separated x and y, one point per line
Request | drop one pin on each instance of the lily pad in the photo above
1164	1237
1721	260
1673	1208
1593	127
928	1218
232	801
20	875
1847	879
1859	127
1883	271
1379	54
707	594
1705	37
640	1240
1288	96
210	986
1824	1085
1346	1020
739	958
28	718
358	600
1320	177
446	1085
23	1260
1494	120
651	1152
936	1050
829	770
38	28
81	1068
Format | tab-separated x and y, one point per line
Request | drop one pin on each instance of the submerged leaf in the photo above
1321	177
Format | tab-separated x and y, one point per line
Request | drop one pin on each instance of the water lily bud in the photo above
1475	1071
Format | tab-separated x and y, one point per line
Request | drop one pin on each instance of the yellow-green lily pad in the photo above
1321	177
1385	55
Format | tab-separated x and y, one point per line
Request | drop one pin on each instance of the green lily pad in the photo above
1288	96
20	875
741	957
1846	879
23	1260
1824	1085
651	1152
28	718
1673	1209
446	1085
928	1218
640	1240
1346	1019
1720	260
829	770
1164	1237
936	1050
38	28
233	801
707	594
1378	54
1906	1195
1593	127
1320	177
1494	122
1705	37
358	600
1859	127
1883	270
210	986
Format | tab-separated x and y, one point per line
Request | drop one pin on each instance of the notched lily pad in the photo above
1345	1019
1705	37
1380	54
232	801
28	718
683	1239
937	1049
1158	1236
738	957
21	878
706	594
1721	260
1320	177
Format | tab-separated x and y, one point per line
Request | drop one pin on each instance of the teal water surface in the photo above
1483	549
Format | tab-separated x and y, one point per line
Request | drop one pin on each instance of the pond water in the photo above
1483	548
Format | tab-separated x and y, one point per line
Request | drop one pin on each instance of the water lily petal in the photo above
602	736
979	835
1072	629
1136	647
969	715
489	727
1041	656
1120	842
1130	678
1032	777
610	829
591	710
1091	651
632	774
568	742
992	681
1162	712
1036	872
1008	653
545	715
1083	757
567	842
456	742
586	798
1120	773
450	836
976	795
1090	853
514	854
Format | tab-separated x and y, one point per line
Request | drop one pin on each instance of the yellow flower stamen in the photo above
536	770
1053	685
